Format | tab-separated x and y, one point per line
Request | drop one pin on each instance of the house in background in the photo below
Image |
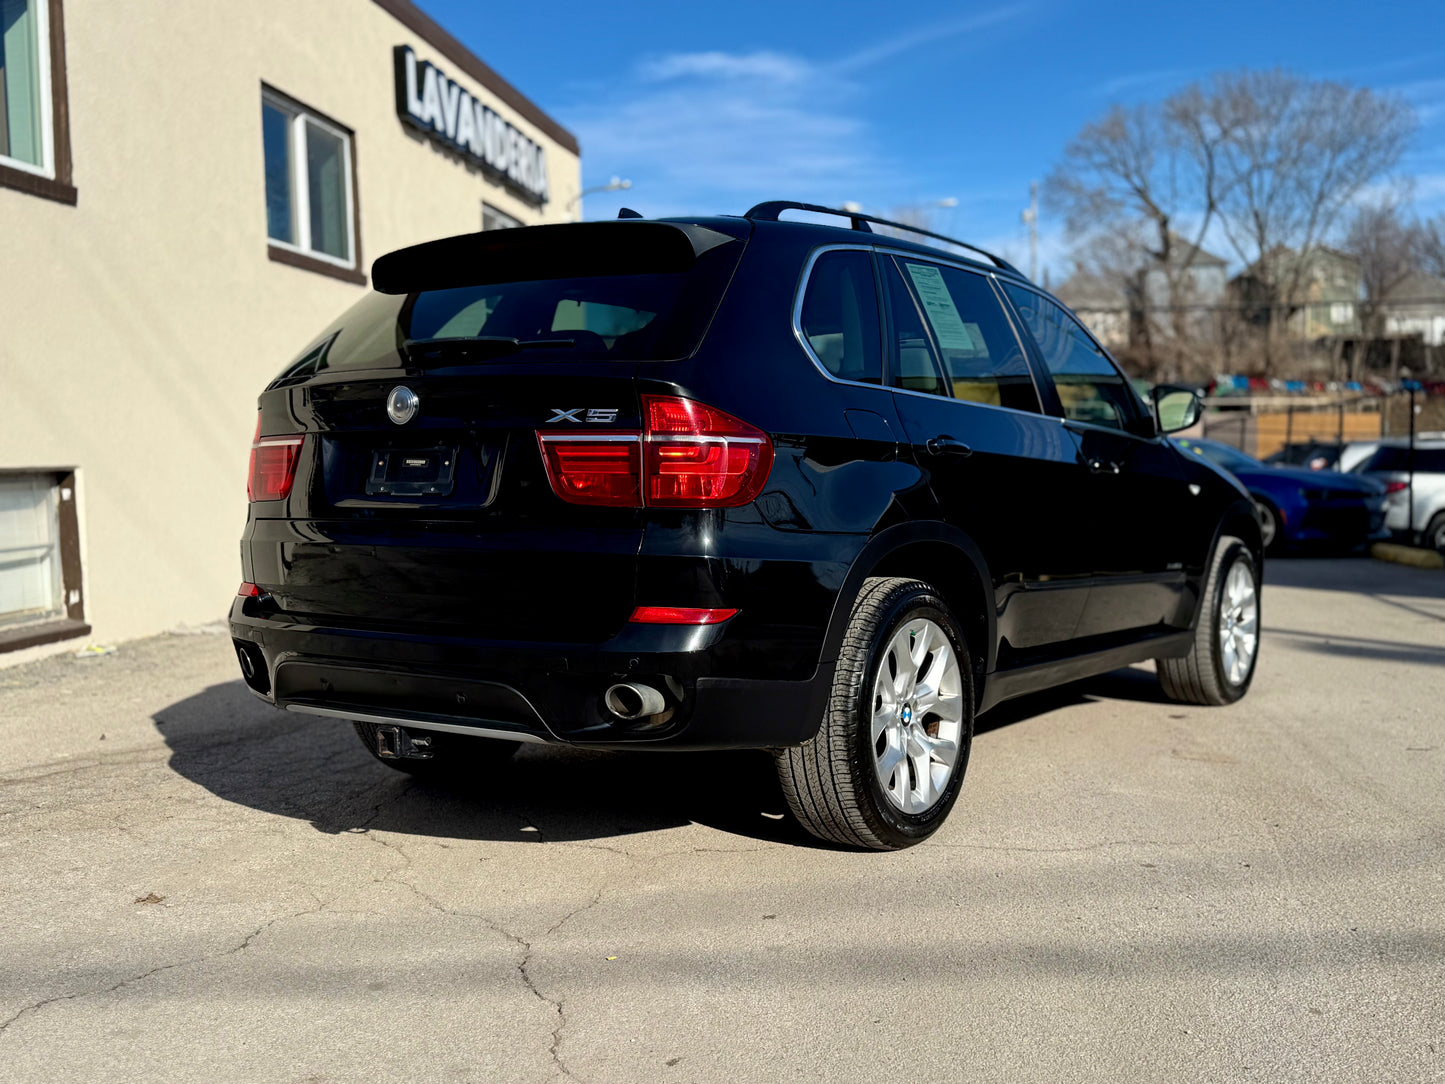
1103	306
1416	306
1325	303
1200	283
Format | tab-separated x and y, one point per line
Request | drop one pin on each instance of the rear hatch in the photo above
420	498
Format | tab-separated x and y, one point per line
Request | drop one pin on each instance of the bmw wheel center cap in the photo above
402	404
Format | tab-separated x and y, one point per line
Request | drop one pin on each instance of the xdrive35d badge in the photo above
819	519
402	404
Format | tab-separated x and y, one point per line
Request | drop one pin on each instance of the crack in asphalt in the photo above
525	946
208	957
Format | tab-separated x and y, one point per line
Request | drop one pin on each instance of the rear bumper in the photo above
533	692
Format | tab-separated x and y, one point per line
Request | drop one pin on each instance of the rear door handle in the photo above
946	445
1103	466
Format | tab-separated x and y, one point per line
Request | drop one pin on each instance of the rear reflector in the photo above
679	615
592	471
273	465
248	590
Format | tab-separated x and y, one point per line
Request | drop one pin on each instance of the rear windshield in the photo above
594	315
1396	458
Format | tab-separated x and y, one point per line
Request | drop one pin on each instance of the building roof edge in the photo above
430	31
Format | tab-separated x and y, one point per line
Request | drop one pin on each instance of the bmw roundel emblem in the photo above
402	404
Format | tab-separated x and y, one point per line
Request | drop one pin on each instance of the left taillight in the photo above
273	465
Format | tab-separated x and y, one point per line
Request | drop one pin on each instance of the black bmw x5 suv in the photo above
722	482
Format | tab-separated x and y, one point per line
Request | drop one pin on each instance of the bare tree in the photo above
1271	158
1296	152
1390	244
1432	246
1125	186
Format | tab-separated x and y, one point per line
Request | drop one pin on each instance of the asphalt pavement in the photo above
193	885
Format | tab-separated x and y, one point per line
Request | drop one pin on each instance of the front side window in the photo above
840	316
1090	388
25	133
981	356
308	182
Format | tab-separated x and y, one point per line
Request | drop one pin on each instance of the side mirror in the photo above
1176	408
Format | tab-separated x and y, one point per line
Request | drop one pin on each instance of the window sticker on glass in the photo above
942	312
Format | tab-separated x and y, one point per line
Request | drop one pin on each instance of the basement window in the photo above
40	591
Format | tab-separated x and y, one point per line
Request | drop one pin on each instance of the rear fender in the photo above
941	556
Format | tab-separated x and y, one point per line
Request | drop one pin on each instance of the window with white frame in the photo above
26	125
309	193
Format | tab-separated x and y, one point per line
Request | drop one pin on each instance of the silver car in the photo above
1423	519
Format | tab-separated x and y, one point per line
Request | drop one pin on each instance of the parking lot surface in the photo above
193	884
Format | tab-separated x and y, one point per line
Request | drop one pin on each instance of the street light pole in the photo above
1031	218
614	185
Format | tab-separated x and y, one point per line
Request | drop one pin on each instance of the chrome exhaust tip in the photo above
629	701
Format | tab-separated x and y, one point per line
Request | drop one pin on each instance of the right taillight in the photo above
689	455
273	465
1396	487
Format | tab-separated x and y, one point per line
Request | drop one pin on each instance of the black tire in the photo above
1200	676
454	755
1271	527
831	783
1434	537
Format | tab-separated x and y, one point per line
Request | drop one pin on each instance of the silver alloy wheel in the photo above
1438	541
917	722
1238	621
1268	526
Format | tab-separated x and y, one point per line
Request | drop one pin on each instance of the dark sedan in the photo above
1300	507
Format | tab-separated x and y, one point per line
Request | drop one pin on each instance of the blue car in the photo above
1300	507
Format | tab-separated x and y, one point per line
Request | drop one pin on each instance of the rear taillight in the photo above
273	465
689	455
1396	487
588	470
699	457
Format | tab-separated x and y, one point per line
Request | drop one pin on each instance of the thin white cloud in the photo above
1138	80
715	131
909	40
761	65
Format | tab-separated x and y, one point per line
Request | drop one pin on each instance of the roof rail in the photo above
769	211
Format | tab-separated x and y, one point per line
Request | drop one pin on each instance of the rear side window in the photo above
910	354
840	316
1396	458
1090	388
981	356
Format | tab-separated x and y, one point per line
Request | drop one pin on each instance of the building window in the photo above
311	217
34	120
40	592
1341	312
493	219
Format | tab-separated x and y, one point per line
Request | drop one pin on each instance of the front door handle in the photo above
1103	466
946	445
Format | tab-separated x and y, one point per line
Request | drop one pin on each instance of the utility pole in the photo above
1031	219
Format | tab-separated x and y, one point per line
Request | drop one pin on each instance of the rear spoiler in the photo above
566	250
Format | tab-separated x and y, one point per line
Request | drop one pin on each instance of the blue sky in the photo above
710	108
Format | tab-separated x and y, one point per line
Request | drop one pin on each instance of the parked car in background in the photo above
1300	506
1391	464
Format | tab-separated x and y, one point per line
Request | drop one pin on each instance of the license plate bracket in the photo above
412	472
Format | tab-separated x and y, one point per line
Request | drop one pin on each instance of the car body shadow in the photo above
307	768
